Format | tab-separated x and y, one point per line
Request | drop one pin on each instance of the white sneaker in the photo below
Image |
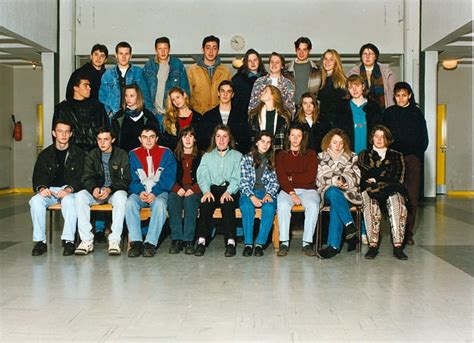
114	249
84	248
365	240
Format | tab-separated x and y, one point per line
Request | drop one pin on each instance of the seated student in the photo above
105	179
228	114
383	190
186	194
153	171
179	115
315	125
296	169
218	177
259	187
56	176
131	119
270	115
338	183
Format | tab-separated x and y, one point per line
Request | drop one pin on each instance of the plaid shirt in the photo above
279	135
247	178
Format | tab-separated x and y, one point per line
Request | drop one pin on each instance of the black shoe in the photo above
410	241
283	251
258	251
327	252
200	250
308	250
351	231
99	237
136	249
149	250
398	253
188	248
247	251
69	249
39	249
230	250
371	253
352	243
176	247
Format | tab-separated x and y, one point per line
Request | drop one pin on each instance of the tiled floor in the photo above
183	298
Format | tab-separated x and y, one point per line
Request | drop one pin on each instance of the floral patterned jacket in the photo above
286	87
346	168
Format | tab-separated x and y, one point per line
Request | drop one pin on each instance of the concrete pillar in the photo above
411	60
430	107
67	44
47	61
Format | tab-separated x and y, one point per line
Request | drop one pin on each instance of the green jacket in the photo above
217	170
94	176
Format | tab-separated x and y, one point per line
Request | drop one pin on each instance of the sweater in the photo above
296	171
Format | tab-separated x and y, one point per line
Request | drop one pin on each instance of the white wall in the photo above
266	25
34	20
442	17
6	126
27	86
455	89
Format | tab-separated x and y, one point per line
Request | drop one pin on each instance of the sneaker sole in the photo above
114	253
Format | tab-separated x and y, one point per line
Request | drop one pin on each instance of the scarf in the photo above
133	114
376	90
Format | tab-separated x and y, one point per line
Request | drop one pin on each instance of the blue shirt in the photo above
360	127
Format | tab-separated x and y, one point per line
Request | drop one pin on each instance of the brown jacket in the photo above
314	82
203	89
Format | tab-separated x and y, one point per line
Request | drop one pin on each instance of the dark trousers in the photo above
412	184
206	211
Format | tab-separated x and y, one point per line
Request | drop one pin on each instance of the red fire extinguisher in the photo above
17	129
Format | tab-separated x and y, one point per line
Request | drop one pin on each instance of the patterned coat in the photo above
247	178
329	172
286	87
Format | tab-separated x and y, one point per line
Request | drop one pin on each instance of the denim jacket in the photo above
110	93
177	78
247	178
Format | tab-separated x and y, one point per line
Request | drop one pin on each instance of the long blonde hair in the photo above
338	75
172	113
300	116
277	104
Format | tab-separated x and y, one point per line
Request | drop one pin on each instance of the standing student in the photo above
218	177
56	179
408	127
180	115
123	74
305	74
92	70
333	89
185	195
129	122
153	171
309	118
259	187
206	75
270	115
359	115
105	179
276	79
296	169
163	72
378	78
226	113
338	182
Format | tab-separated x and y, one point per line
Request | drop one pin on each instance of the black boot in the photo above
371	253
398	253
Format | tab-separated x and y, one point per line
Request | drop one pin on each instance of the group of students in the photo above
262	151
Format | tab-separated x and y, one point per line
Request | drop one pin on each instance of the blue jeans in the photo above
158	217
183	230
248	217
339	215
38	206
310	200
83	202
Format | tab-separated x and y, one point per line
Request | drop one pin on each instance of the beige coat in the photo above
203	89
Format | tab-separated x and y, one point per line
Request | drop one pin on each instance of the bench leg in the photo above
319	227
359	228
276	235
50	227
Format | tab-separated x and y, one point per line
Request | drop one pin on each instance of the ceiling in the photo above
18	51
458	45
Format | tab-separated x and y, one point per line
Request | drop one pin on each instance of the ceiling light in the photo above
449	64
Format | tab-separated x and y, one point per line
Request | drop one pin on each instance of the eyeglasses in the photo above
368	54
